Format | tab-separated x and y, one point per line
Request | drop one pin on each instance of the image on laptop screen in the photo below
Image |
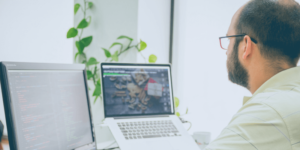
136	90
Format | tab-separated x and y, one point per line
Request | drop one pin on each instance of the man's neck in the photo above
260	74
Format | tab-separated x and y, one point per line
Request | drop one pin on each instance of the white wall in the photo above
35	31
200	74
154	28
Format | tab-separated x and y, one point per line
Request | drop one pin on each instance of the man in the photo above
263	52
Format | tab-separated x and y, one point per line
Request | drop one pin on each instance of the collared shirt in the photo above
269	120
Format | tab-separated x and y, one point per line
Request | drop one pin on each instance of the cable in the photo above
184	121
190	125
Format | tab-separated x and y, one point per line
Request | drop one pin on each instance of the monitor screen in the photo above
49	109
136	90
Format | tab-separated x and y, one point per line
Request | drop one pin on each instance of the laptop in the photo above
139	107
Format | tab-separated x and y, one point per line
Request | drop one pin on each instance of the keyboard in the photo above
148	129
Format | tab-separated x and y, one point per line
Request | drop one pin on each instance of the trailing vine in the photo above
83	42
123	48
176	102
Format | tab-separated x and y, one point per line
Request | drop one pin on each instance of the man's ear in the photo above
247	49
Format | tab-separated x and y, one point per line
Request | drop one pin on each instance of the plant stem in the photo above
190	125
128	47
84	8
125	50
84	57
84	16
95	71
141	52
143	57
122	51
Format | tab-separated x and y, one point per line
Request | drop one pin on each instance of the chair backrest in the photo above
1	130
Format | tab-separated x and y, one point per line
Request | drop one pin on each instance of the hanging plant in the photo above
82	43
114	57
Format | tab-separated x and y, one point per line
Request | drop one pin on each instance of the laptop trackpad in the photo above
160	144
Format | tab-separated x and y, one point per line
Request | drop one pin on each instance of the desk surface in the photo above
6	146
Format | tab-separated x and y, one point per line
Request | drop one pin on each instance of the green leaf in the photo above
177	114
90	20
187	110
95	99
83	24
87	41
89	74
125	37
97	91
107	53
91	4
115	56
76	56
80	46
92	61
176	102
76	7
152	58
143	45
72	33
98	82
116	43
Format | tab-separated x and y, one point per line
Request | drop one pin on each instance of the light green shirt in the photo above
269	120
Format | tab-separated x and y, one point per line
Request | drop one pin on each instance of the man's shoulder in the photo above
269	120
283	101
279	107
276	103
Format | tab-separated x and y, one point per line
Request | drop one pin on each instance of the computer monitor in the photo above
46	105
137	89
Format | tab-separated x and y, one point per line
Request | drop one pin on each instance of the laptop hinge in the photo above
139	117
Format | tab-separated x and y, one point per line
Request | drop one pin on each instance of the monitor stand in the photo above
104	137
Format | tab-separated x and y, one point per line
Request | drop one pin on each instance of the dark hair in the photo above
276	27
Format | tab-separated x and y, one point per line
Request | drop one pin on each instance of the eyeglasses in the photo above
224	41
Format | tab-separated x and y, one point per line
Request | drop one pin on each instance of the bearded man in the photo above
263	49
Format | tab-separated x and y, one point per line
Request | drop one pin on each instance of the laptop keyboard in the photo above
148	129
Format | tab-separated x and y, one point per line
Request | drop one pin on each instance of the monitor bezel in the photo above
139	65
6	66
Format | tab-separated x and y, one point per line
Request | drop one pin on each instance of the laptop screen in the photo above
132	90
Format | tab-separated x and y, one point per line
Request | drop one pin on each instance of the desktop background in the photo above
131	91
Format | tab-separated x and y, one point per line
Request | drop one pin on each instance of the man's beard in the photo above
236	72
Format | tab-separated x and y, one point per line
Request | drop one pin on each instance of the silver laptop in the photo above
139	107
